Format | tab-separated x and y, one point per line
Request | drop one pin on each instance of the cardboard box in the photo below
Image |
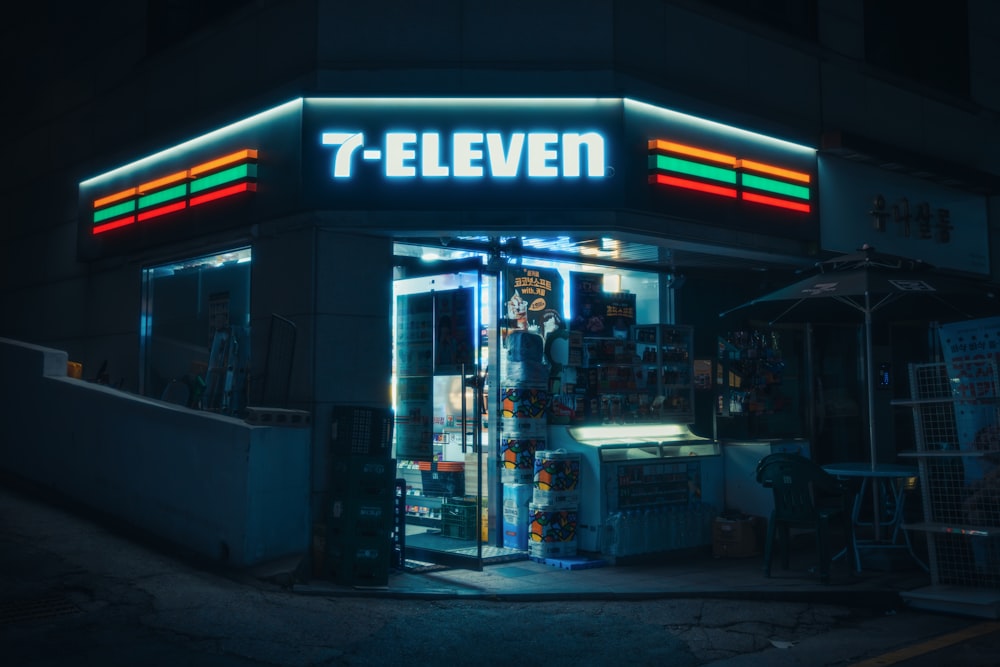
737	538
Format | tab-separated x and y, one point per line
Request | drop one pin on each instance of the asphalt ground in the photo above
81	589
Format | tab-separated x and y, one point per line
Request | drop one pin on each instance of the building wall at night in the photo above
104	85
97	87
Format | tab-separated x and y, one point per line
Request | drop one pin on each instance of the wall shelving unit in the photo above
647	377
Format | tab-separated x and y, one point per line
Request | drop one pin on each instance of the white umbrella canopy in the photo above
866	283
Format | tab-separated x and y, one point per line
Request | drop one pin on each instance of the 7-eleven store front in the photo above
391	235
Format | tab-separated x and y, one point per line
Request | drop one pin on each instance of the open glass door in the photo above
443	326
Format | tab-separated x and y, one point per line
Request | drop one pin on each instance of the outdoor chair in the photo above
806	497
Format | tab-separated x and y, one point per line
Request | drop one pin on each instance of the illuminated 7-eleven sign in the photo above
222	177
688	167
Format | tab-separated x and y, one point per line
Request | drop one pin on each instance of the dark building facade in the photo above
324	171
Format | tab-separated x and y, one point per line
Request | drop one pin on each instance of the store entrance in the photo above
443	326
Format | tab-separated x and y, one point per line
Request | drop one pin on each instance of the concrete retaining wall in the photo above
211	484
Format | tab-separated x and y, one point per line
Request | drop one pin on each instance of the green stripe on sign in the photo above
114	211
667	163
224	176
162	196
778	187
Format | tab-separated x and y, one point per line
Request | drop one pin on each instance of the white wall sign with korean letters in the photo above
901	215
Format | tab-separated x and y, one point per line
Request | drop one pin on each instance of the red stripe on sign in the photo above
114	224
224	192
662	179
774	201
163	210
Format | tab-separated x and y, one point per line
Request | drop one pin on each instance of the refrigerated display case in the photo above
644	488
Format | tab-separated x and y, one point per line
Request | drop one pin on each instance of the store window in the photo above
195	331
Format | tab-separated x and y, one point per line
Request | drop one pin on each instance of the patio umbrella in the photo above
869	283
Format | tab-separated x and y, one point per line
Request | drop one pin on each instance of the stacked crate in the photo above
459	518
361	512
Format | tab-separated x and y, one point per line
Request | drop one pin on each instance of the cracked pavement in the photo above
131	604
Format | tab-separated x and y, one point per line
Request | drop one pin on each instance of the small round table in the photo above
885	478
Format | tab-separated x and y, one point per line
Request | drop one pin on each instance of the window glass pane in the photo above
195	331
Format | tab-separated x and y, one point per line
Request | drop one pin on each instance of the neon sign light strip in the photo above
777	187
691	151
163	210
773	201
114	211
677	165
162	196
156	198
224	192
245	154
760	167
663	179
160	182
114	224
225	176
737	174
118	196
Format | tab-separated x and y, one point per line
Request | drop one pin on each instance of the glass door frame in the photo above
470	377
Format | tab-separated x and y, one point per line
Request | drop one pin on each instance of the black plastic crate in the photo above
442	484
365	478
458	518
351	517
359	561
361	431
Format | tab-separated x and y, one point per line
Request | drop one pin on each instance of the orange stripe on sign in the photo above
118	196
781	172
692	151
238	156
160	182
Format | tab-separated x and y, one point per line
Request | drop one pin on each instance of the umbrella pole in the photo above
870	385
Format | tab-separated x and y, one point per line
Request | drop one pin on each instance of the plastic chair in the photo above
805	497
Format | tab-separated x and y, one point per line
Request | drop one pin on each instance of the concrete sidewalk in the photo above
690	575
43	535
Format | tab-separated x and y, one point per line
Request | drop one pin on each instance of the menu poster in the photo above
971	350
530	296
587	303
454	332
619	313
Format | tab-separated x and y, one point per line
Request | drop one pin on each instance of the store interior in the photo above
465	431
